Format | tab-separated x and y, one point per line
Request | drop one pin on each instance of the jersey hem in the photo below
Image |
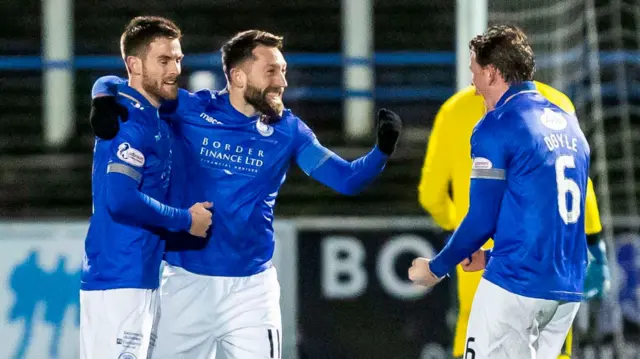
220	272
93	285
548	295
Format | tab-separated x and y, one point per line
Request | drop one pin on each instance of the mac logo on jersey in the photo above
553	120
210	119
264	129
130	155
481	163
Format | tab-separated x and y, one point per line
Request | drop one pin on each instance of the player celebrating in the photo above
447	162
236	147
529	176
123	251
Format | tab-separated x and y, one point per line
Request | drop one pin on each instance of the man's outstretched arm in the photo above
350	177
488	185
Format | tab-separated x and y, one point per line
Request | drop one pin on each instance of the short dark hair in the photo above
142	31
507	48
240	47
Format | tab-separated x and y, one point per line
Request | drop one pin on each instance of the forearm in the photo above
128	205
476	228
350	177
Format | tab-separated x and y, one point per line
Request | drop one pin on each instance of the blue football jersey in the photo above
119	251
540	151
238	163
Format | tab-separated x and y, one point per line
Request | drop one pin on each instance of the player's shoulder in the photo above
487	124
139	115
290	123
519	105
139	109
140	122
200	98
134	107
555	96
287	119
499	125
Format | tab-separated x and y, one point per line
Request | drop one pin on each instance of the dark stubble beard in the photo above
154	87
258	99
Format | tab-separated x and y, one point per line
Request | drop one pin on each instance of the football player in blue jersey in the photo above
123	249
234	148
530	164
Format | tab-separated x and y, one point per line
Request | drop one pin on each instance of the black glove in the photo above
104	116
389	129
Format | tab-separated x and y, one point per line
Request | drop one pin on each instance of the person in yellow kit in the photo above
447	166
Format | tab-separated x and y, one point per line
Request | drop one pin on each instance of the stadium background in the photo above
341	259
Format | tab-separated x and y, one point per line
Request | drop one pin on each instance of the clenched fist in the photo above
476	262
200	218
420	273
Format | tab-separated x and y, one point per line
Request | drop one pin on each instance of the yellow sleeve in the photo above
561	100
592	214
433	190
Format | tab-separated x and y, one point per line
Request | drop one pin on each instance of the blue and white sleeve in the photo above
346	177
489	152
126	203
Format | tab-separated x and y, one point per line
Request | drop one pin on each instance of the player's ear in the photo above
134	65
493	74
238	77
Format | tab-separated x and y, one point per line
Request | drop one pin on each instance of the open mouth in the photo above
274	95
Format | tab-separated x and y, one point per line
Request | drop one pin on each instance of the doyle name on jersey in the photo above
557	123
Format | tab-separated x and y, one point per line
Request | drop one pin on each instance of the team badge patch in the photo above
264	129
130	155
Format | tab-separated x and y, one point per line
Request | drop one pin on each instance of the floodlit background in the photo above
346	60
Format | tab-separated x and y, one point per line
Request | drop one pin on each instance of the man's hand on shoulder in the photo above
104	115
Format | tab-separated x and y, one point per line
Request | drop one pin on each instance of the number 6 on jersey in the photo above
567	185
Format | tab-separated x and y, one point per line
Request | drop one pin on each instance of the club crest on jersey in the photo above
264	129
130	155
553	120
481	163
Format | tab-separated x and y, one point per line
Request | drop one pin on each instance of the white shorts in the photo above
201	314
506	325
117	323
